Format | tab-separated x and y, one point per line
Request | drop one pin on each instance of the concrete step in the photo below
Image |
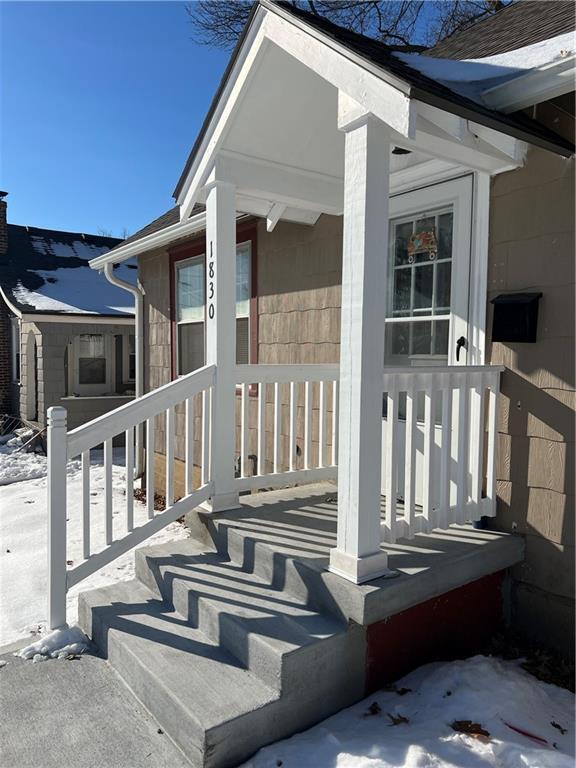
211	706
274	634
279	557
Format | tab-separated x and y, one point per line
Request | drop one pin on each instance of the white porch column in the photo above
221	336
358	556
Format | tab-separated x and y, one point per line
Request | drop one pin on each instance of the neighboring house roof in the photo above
394	68
46	271
523	23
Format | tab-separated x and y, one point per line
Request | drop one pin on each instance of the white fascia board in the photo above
240	76
46	317
150	242
533	87
11	306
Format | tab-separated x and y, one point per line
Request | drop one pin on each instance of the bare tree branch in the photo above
403	24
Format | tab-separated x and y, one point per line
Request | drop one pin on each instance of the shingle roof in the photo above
48	271
523	23
166	220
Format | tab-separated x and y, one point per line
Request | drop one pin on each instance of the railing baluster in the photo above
462	457
129	449
86	504
477	444
170	430
308	425
322	425
244	430
293	395
108	490
444	511
150	429
277	421
429	423
206	430
410	460
491	450
335	393
189	446
391	460
261	428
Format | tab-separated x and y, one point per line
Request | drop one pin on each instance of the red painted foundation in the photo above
450	626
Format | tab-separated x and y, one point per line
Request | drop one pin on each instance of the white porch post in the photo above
358	556
221	336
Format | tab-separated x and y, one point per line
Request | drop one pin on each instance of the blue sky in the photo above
100	105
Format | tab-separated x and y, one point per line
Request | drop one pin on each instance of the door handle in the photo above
459	344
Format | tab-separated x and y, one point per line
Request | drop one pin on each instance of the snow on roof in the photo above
48	271
471	77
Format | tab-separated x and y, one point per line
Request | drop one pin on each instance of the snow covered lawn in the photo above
23	536
422	723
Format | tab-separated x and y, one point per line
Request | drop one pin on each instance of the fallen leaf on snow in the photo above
373	709
558	727
397	719
470	729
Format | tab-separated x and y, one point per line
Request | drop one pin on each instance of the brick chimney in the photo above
3	224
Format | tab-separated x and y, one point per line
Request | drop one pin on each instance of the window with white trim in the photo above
190	309
93	363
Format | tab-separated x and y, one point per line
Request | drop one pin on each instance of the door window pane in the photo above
420	275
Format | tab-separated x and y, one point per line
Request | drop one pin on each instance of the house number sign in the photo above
211	285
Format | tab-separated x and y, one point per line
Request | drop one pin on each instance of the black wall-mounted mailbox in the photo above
515	317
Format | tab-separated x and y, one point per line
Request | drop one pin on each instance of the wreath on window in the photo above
422	242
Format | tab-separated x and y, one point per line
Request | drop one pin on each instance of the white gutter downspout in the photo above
138	292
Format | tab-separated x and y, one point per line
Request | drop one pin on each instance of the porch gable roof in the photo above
381	61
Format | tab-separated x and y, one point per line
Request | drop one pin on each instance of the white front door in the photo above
428	292
428	275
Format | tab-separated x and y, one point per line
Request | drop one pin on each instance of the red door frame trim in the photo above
246	231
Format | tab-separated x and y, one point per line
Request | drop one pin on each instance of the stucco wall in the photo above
532	249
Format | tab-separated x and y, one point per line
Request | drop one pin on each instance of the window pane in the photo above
92	370
445	235
397	339
423	280
190	347
132	367
190	291
421	338
403	232
132	344
402	286
443	278
441	337
243	281
91	345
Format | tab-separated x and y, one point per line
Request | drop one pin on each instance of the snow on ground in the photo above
16	465
530	724
23	537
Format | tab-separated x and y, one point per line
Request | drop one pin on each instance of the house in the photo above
67	334
367	279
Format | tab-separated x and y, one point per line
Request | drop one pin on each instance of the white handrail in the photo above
136	411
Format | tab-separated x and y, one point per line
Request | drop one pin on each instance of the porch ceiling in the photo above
281	146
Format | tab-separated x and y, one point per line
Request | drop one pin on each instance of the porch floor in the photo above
288	534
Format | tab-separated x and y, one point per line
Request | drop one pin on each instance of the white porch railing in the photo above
303	392
192	392
439	444
439	447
